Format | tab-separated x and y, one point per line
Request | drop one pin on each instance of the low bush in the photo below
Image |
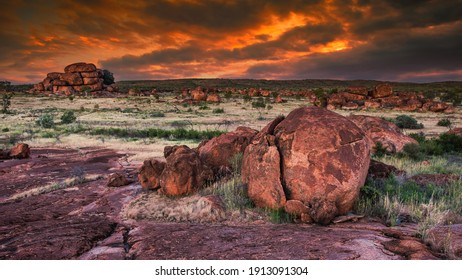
68	117
45	121
218	111
258	104
156	114
444	122
408	122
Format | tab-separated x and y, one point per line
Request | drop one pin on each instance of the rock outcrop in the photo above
383	96
314	156
77	78
382	131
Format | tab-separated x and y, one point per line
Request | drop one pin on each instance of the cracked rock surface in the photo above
314	156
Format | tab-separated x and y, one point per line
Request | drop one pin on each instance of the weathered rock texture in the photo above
149	174
382	131
218	152
184	173
77	77
383	96
313	155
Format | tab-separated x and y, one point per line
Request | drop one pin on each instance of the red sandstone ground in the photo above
83	221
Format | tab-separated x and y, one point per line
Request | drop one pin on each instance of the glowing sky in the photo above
301	39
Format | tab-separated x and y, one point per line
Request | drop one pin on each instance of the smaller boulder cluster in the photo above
383	97
20	151
186	170
77	78
199	95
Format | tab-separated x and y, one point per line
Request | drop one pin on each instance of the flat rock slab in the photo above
152	240
63	223
83	222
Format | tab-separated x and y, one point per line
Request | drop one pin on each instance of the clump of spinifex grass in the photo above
396	202
432	165
231	188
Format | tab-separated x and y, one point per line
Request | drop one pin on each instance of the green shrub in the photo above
45	121
108	77
228	95
5	129
450	143
454	96
431	147
156	114
444	122
408	122
413	151
218	111
258	104
68	117
379	150
6	102
419	137
247	98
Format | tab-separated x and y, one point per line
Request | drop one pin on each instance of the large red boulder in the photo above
213	98
184	173
54	75
380	130
94	74
149	174
358	90
353	97
336	99
198	95
324	159
73	79
20	151
218	151
80	67
382	90
434	106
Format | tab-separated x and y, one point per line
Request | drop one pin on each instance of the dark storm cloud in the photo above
388	58
389	15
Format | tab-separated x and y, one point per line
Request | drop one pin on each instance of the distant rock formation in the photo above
77	78
383	97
